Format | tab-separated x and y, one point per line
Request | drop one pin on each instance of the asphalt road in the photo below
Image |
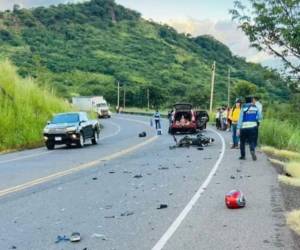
94	191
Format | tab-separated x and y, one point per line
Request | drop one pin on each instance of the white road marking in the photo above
77	168
172	229
25	157
48	152
114	134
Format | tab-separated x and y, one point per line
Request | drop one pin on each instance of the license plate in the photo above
58	139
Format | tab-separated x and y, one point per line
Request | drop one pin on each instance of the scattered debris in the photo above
138	176
199	141
127	172
143	134
95	178
127	213
99	236
13	247
60	238
108	207
75	237
162	206
232	177
200	148
170	193
110	217
163	168
238	170
111	172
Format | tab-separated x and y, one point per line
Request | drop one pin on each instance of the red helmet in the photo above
235	199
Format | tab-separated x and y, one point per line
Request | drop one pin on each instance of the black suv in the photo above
71	128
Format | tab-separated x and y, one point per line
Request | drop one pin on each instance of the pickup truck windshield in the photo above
65	118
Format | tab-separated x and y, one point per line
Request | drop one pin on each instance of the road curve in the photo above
113	196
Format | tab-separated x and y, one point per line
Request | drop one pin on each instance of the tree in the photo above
272	26
243	88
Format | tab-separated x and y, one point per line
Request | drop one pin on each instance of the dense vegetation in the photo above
24	109
84	49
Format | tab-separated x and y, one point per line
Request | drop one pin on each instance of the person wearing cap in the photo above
234	117
247	127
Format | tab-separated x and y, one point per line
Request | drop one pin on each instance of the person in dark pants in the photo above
157	120
247	127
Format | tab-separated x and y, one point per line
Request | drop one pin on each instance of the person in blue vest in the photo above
250	116
157	120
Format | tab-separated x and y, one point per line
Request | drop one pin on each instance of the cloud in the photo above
226	32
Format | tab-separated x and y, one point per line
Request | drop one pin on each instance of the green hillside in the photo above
84	49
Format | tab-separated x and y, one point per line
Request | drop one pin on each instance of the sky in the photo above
197	17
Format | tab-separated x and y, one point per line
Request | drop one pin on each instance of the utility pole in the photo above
148	99
229	86
118	101
212	86
124	97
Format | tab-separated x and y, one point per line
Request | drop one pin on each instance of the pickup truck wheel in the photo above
50	145
80	143
95	138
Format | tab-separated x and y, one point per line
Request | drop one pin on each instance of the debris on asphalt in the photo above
138	176
60	238
111	172
127	172
110	217
238	170
127	213
199	141
143	134
162	206
13	247
99	236
163	168
95	178
200	148
232	177
108	207
75	237
170	193
235	199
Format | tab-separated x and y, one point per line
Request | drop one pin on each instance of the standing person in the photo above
224	118
218	121
229	121
234	117
157	120
247	127
260	108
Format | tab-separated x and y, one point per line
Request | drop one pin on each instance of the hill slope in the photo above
86	48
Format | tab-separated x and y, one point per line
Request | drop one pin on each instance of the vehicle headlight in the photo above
46	130
71	129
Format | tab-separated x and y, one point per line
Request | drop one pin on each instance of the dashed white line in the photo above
174	226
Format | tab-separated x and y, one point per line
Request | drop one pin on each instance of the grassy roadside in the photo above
289	162
24	108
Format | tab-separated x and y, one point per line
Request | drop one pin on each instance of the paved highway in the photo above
110	193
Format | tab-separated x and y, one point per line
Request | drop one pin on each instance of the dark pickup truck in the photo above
71	128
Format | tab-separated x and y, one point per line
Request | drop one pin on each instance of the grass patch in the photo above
24	108
280	134
281	153
293	221
289	180
293	168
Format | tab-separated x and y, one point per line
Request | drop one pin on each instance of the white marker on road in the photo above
172	229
